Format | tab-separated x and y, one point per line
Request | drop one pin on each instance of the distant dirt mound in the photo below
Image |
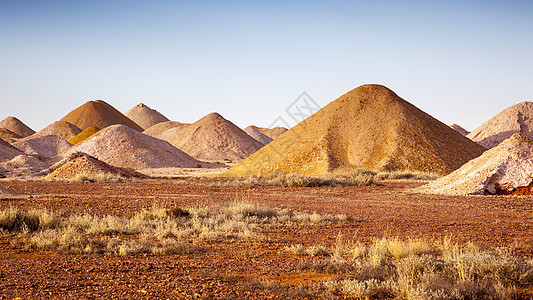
257	135
82	136
7	134
7	151
144	116
82	163
369	127
25	164
272	133
516	118
504	169
16	126
459	129
62	129
165	130
121	146
47	145
215	138
99	114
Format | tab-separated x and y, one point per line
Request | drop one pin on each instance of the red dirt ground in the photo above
231	269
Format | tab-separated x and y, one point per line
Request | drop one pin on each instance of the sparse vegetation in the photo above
415	269
297	180
414	175
100	177
359	177
156	231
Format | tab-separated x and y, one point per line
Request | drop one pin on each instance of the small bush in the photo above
13	220
414	175
100	177
300	250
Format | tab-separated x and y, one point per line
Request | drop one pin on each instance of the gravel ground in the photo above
238	269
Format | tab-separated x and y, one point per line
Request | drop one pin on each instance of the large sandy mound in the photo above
46	146
121	146
99	114
504	169
165	130
62	129
82	163
257	135
7	151
369	127
459	129
7	134
516	118
82	136
215	138
272	133
144	116
16	126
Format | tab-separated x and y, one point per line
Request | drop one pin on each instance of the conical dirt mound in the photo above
99	114
369	127
82	163
16	126
257	135
516	118
459	129
272	133
7	151
62	129
121	146
214	138
144	116
504	169
6	134
47	145
82	136
165	130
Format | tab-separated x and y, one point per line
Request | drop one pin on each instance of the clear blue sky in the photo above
460	61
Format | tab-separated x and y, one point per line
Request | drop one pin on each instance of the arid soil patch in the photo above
236	269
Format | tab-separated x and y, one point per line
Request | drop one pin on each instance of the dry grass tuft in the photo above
416	269
359	177
155	231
